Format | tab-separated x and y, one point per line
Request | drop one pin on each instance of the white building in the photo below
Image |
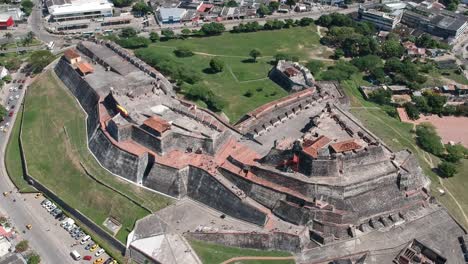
62	10
170	15
381	20
3	72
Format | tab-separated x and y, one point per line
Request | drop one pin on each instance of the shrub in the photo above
22	246
216	65
412	111
455	152
447	169
213	28
381	96
128	32
248	93
133	42
34	259
315	66
427	138
183	52
153	36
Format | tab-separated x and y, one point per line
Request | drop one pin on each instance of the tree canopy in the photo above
427	138
213	28
255	53
40	59
216	65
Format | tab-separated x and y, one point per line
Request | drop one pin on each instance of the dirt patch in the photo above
450	128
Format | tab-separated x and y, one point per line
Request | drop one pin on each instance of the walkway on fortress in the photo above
232	260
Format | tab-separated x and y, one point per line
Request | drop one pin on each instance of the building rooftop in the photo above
64	7
71	54
84	67
311	147
157	124
346	145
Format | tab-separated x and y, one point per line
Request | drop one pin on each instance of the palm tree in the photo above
8	35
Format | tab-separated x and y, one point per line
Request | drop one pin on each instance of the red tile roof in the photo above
346	145
71	54
311	147
290	72
157	123
84	67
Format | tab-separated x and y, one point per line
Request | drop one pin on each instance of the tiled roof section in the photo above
157	124
84	67
346	145
71	54
311	147
280	102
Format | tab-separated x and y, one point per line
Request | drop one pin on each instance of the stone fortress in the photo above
297	174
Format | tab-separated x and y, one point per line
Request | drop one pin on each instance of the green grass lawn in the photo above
215	254
13	158
398	135
54	141
239	75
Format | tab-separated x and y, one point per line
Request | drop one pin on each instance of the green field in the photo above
215	254
398	135
54	140
240	75
13	158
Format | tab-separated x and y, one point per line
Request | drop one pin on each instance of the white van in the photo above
85	239
75	255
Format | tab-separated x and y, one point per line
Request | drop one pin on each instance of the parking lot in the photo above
12	93
68	232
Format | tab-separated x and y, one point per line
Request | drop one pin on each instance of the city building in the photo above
3	72
6	21
170	15
62	10
14	12
434	20
381	20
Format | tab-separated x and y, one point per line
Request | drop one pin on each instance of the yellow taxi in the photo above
29	226
98	261
38	195
94	247
5	194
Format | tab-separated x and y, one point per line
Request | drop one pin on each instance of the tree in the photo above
392	48
22	246
255	53
3	112
122	3
368	62
436	102
40	59
412	111
141	8
128	32
455	152
427	138
216	65
213	28
447	169
381	96
27	6
168	33
273	6
232	3
263	10
28	39
153	36
315	66
185	32
338	54
291	3
282	56
183	52
133	42
34	259
8	36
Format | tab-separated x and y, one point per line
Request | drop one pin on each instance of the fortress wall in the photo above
372	154
306	189
262	241
83	92
170	181
324	168
264	196
204	188
219	141
114	159
146	139
327	229
369	185
174	140
292	213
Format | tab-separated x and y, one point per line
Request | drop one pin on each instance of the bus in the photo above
51	45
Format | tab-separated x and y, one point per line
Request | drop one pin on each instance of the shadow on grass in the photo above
209	71
250	60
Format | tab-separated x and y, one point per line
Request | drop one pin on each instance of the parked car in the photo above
12	107
99	252
87	257
11	113
98	261
109	261
59	216
85	239
89	245
94	248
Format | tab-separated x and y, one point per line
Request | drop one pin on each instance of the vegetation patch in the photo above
215	254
